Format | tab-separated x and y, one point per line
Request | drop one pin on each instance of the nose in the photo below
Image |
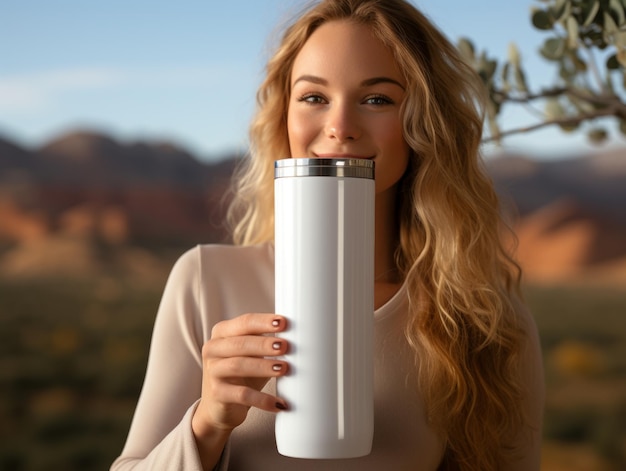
342	123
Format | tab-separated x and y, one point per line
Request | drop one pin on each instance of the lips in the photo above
343	156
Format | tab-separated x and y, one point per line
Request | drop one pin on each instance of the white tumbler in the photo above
324	249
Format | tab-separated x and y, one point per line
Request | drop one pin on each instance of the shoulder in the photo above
210	259
209	283
531	363
225	272
238	254
236	263
525	320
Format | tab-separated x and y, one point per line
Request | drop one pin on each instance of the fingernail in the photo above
281	406
276	322
277	345
277	367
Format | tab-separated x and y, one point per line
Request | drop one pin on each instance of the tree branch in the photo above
567	121
611	101
528	97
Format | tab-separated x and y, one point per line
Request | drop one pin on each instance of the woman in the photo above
458	370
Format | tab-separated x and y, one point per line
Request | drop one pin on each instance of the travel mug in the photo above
324	286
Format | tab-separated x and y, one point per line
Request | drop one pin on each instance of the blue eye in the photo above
378	100
311	98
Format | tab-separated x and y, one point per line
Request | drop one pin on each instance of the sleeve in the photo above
160	435
528	442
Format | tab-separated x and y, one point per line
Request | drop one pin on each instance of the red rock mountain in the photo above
84	191
160	193
569	215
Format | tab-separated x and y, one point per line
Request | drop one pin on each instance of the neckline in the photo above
393	304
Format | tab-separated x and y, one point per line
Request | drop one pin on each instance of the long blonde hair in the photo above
463	329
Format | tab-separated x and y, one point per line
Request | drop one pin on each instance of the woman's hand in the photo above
238	361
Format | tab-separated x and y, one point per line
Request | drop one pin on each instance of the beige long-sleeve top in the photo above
214	282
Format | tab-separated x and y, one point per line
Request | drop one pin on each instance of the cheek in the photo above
298	133
401	162
396	156
389	133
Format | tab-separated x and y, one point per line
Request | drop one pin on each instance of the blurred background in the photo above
120	125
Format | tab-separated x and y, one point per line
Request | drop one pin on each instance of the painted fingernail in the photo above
277	367
277	345
281	406
276	322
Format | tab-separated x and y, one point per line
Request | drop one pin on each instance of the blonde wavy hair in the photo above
464	328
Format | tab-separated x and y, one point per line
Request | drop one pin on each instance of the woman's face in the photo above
346	92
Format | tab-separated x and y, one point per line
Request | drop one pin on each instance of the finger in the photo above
249	324
247	345
246	367
242	395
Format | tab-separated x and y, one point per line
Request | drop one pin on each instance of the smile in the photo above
343	156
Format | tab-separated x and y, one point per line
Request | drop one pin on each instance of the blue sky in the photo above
187	71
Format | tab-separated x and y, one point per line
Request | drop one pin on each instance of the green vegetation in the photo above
585	45
73	354
583	335
72	360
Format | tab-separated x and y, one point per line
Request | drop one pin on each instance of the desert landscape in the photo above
90	226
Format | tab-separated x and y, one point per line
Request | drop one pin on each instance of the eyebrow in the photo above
365	83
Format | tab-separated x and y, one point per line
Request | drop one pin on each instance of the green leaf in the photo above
553	49
520	80
579	64
609	27
609	24
542	20
612	63
620	40
618	12
554	109
590	12
560	5
570	126
598	135
567	74
466	47
514	55
562	10
572	32
486	68
504	76
493	106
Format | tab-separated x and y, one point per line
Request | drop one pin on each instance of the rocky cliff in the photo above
78	202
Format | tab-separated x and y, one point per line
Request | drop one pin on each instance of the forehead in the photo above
344	48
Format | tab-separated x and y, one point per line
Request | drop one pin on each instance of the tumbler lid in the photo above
339	167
